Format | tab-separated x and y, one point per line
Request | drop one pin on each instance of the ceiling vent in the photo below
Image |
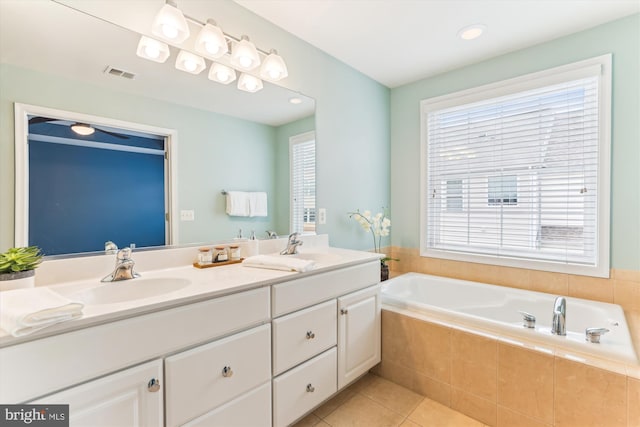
119	73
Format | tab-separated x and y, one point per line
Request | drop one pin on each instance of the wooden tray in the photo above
218	264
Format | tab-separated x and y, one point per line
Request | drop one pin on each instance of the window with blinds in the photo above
303	182
521	178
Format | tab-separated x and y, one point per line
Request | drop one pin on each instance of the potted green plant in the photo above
17	267
378	225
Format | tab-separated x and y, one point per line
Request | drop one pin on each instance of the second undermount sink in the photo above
129	290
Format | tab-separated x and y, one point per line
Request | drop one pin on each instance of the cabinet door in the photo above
126	398
358	333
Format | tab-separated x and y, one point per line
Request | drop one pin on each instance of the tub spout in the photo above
559	317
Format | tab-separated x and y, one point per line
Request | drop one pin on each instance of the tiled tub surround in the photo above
504	382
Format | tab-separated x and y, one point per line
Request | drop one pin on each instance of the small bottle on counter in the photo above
205	256
234	251
221	254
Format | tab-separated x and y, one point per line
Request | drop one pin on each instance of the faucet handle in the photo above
528	319
124	254
593	334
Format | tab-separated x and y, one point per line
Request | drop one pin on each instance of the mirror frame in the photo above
21	214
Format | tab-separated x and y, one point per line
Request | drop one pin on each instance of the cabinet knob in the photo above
344	311
310	335
227	372
153	385
310	388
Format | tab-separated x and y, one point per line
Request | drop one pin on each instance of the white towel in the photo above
237	203
258	204
279	262
24	311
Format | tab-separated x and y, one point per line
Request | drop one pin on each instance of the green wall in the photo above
622	39
214	151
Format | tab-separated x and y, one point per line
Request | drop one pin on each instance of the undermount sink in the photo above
129	290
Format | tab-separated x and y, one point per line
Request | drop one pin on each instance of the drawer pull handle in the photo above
344	311
227	372
310	335
310	388
153	385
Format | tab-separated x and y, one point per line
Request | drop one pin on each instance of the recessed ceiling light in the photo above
472	32
295	100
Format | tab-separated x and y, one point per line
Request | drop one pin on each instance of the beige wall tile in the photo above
473	364
633	401
525	381
509	418
628	275
512	277
551	283
626	294
587	396
391	396
430	413
592	288
396	339
396	373
361	411
432	345
434	390
476	407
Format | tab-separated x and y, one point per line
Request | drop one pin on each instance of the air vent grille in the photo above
119	73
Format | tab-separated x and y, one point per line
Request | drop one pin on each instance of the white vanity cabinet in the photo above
326	333
132	397
202	379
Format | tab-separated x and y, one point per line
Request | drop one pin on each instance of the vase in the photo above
17	280
384	272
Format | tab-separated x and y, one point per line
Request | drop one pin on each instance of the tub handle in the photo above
528	319
593	334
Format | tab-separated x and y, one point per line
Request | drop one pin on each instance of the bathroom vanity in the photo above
239	346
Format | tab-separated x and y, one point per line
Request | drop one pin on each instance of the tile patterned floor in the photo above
375	402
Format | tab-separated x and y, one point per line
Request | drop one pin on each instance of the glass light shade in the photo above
152	50
170	24
221	73
187	61
82	129
249	83
244	55
273	67
211	41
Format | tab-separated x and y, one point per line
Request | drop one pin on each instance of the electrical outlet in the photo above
322	216
187	216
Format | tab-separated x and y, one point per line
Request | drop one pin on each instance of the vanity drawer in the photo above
304	387
251	409
195	379
300	293
303	334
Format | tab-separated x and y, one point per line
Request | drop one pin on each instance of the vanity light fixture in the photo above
211	41
170	24
152	50
472	32
82	129
249	83
244	54
221	73
273	68
187	61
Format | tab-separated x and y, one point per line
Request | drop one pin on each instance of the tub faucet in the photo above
124	267
292	244
559	317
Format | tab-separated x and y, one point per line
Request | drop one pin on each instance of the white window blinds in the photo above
303	182
516	176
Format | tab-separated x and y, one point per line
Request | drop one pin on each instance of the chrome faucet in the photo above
292	244
124	267
558	326
271	234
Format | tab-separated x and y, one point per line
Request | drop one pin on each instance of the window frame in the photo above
600	66
295	140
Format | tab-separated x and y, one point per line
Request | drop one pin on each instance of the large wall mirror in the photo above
57	58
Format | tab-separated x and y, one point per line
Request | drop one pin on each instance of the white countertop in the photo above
204	284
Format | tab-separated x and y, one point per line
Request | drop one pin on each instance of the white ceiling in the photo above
400	41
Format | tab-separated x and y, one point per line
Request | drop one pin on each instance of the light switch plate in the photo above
187	215
322	216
